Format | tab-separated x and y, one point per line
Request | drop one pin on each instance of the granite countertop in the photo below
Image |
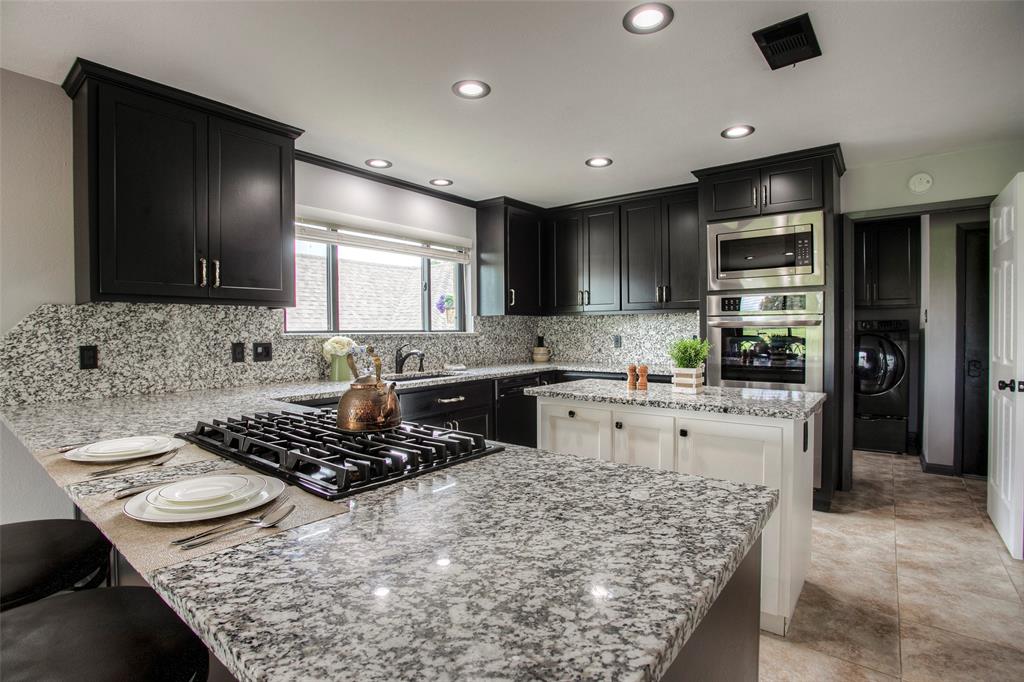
520	565
44	425
753	402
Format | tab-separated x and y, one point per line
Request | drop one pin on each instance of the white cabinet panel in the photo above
576	431
643	439
744	453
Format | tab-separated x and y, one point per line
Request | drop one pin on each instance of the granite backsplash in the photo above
162	348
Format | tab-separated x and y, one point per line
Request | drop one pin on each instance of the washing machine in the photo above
881	385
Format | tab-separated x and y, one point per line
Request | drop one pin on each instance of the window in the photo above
352	281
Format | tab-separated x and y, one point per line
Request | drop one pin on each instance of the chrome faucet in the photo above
400	358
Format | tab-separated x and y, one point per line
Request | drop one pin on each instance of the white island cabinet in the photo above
770	438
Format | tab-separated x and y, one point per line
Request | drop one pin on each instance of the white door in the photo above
576	431
645	439
1006	334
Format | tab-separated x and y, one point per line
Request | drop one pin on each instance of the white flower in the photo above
338	346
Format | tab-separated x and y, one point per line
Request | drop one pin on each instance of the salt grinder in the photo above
631	378
641	384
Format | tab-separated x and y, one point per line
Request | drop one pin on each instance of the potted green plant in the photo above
689	355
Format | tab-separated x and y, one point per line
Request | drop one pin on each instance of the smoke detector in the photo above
789	42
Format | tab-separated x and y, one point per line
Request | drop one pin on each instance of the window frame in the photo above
333	298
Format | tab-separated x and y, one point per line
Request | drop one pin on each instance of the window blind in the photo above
316	231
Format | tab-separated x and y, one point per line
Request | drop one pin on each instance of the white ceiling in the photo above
373	79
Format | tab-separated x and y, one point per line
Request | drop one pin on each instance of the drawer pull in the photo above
572	414
618	425
448	401
683	432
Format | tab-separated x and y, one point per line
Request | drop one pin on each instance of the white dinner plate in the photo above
158	445
199	490
254	485
140	509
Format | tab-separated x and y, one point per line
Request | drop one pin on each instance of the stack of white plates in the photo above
124	449
208	497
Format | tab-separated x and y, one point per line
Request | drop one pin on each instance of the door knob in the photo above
1010	385
618	425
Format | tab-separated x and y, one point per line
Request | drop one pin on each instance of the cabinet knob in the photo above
618	425
684	433
572	414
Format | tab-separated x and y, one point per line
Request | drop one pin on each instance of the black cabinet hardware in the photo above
1010	385
684	433
618	425
572	414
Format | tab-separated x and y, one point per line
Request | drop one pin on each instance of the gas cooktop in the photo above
308	449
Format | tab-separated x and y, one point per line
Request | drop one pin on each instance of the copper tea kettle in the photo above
369	404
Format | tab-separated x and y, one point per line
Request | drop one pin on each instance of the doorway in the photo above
970	456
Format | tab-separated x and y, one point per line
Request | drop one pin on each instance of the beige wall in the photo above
965	174
940	361
36	228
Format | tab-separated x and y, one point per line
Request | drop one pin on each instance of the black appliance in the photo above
515	414
311	452
881	385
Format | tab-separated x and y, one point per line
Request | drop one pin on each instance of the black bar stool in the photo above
40	558
106	635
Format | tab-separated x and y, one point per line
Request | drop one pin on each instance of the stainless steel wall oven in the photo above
767	340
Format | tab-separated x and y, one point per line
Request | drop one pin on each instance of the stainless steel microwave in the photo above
768	252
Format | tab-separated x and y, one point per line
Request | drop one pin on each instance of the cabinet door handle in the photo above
572	414
579	296
448	401
202	273
618	425
512	292
588	296
754	188
666	293
764	195
1010	385
684	433
216	273
657	295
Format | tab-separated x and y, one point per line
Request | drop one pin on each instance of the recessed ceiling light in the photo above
441	182
736	132
471	89
648	17
378	163
598	162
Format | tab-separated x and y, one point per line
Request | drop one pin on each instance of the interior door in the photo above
1006	412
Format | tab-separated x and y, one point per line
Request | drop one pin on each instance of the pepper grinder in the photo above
631	378
641	384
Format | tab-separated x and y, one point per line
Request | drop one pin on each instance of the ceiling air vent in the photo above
788	42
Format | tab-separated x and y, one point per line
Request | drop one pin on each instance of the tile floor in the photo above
908	580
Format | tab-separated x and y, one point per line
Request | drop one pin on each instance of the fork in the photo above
268	520
166	457
237	523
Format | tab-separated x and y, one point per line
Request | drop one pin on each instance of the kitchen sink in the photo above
415	376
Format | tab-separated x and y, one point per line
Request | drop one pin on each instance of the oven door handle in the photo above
769	320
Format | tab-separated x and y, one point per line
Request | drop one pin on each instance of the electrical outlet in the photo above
88	357
617	341
238	352
262	352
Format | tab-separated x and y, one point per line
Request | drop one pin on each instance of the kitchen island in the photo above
767	437
522	564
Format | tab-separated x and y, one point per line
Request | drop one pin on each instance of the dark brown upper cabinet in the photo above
566	258
660	253
584	260
178	198
601	286
508	235
778	188
887	264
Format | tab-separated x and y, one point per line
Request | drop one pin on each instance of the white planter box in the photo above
688	380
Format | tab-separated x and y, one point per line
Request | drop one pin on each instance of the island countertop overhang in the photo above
751	402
